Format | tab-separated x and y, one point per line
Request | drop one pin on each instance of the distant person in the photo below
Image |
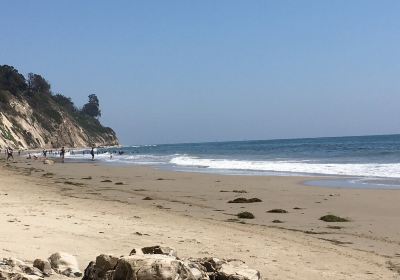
9	153
45	153
19	152
62	154
92	153
29	156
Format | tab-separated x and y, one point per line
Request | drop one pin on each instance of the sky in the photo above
195	71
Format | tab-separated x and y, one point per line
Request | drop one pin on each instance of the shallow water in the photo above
363	156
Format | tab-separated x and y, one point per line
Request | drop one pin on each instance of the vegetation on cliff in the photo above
32	116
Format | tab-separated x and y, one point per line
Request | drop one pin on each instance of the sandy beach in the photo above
88	208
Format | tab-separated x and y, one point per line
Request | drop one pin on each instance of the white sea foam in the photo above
387	170
359	169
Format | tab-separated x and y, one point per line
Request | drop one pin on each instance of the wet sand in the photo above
87	209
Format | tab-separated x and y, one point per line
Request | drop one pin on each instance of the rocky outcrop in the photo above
65	264
148	263
162	263
44	266
14	269
22	127
33	116
62	264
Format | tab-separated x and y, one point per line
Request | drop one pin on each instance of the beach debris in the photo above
239	191
245	215
156	262
106	181
78	184
277	221
65	264
147	198
279	211
334	227
245	200
333	219
48	174
48	161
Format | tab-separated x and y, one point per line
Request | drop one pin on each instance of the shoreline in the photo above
201	199
311	179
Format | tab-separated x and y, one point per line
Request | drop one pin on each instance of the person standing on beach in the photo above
92	153
62	154
9	153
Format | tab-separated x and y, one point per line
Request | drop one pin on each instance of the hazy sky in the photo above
189	71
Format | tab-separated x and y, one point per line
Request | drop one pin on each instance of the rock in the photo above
44	266
198	271
152	267
65	264
168	251
210	264
14	269
161	263
105	263
227	270
89	273
237	270
101	269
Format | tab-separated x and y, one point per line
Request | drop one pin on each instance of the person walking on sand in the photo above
62	154
9	153
92	153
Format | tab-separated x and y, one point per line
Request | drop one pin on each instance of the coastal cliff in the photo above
32	116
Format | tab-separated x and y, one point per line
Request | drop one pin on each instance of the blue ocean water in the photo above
367	156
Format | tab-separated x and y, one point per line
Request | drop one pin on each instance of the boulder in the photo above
159	263
89	273
198	271
227	269
237	270
14	269
44	266
152	267
65	264
211	265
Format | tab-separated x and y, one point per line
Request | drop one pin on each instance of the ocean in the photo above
359	156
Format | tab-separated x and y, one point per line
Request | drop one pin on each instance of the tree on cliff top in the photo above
37	84
92	108
11	80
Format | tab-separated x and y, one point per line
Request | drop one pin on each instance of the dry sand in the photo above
72	207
